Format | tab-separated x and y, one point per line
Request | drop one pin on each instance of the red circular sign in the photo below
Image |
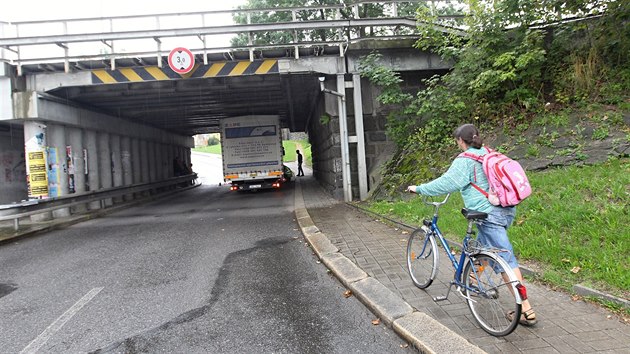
181	60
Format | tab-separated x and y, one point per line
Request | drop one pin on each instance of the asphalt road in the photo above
207	270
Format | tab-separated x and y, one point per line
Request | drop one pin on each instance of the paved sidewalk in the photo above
564	326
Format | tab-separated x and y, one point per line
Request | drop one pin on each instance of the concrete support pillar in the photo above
58	176
157	156
135	161
183	152
343	137
187	153
92	159
117	171
105	164
35	142
166	161
76	168
175	153
151	147
170	149
127	168
358	124
144	161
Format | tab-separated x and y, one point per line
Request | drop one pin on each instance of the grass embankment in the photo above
211	149
289	151
289	148
574	226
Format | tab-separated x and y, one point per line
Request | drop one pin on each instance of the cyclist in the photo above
493	230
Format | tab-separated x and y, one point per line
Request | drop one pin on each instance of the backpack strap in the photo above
479	159
485	194
471	156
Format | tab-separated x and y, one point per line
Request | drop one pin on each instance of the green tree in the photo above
510	57
514	54
367	10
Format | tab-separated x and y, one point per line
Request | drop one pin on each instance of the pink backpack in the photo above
508	183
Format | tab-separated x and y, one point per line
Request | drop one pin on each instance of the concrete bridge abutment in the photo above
348	126
87	151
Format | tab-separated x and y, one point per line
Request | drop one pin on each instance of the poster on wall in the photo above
85	170
70	164
37	178
35	163
53	172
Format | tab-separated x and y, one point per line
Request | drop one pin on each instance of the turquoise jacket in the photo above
458	177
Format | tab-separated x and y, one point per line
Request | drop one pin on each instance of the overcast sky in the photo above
30	10
51	9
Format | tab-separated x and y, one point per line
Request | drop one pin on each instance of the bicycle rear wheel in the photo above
491	295
422	258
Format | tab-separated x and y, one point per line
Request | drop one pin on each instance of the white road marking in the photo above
38	342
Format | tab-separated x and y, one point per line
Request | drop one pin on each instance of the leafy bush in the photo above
515	62
213	140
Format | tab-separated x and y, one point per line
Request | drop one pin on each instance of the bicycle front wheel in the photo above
422	258
491	295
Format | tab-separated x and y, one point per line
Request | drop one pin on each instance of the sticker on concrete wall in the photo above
85	162
70	164
36	142
37	179
53	172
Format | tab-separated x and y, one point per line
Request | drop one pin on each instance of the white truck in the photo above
252	152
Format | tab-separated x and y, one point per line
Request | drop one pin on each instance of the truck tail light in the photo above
276	185
233	188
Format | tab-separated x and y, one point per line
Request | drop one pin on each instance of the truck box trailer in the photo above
252	152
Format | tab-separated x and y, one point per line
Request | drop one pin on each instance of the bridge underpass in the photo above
136	115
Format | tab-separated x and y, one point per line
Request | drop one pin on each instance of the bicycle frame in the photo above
482	277
458	266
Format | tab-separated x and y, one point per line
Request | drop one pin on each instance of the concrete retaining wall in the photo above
12	165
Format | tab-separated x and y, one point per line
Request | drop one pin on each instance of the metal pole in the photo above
358	123
343	134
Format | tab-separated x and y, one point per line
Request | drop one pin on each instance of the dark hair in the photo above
470	135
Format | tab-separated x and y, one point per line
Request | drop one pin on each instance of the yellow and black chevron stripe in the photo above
154	73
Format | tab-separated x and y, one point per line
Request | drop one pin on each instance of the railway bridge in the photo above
99	96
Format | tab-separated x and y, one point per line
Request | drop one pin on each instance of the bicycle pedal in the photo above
440	298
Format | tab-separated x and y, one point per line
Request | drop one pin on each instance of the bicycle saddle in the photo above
473	214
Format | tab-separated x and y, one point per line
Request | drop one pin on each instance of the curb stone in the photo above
419	329
585	291
420	325
348	271
382	301
321	245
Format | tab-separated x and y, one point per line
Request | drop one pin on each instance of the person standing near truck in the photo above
299	161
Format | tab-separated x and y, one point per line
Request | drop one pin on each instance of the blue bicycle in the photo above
492	291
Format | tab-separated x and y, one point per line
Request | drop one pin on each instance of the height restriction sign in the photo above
181	60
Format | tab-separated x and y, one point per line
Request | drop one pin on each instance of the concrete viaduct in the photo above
120	121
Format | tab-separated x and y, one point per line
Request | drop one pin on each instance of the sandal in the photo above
528	318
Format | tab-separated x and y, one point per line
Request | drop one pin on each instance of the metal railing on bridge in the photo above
73	41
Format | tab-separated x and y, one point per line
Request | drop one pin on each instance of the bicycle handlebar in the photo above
425	200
